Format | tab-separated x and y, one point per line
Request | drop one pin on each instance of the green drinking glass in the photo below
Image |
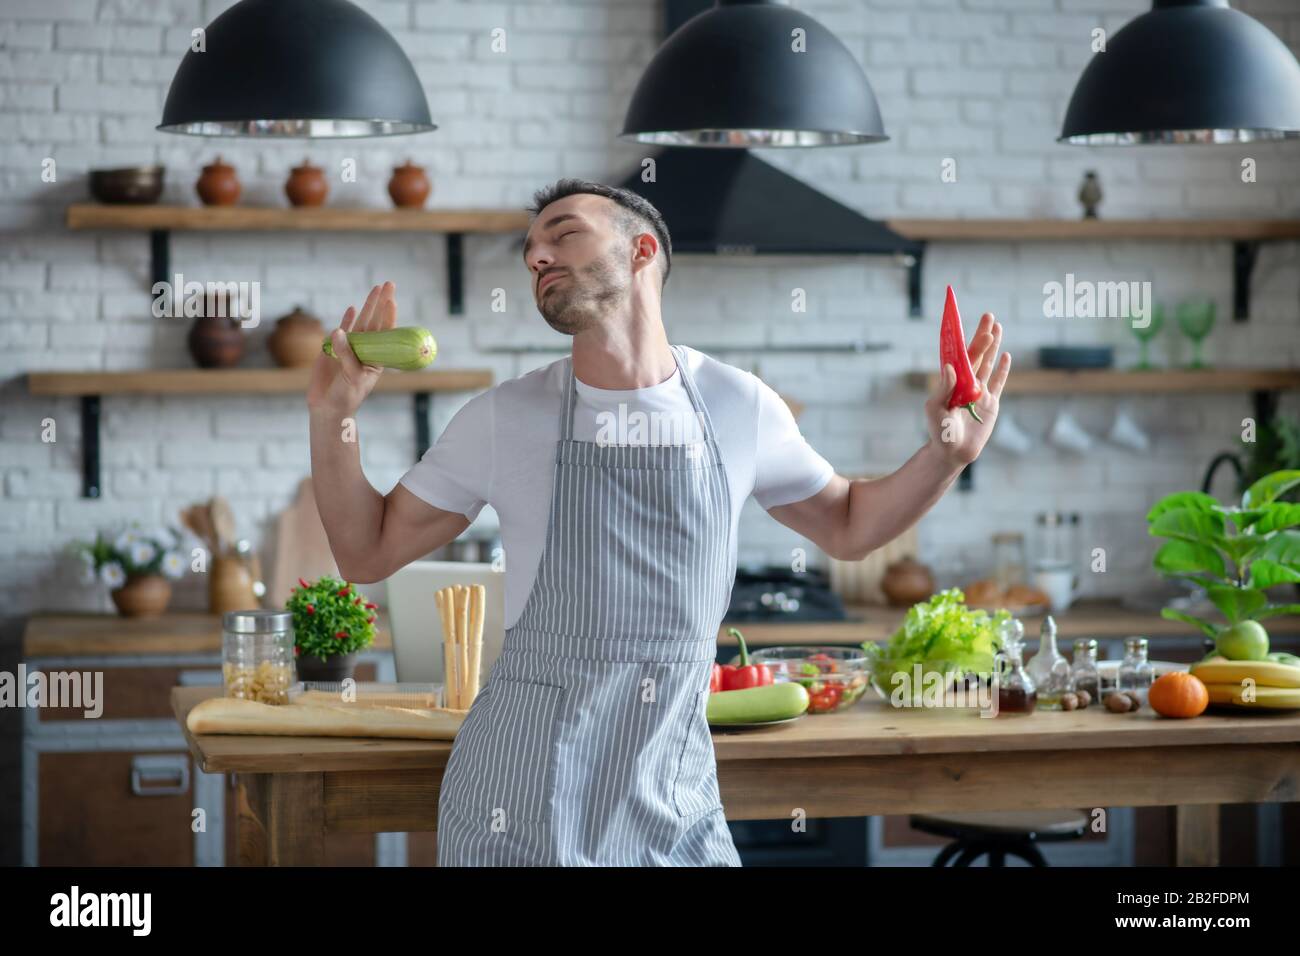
1196	319
1146	334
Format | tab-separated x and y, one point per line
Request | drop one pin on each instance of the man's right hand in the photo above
341	384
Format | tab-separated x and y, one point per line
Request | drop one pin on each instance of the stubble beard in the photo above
587	297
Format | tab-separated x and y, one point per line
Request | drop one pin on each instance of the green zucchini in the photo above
406	348
755	704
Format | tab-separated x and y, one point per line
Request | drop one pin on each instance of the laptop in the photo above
416	627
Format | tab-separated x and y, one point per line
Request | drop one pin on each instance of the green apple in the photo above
1247	641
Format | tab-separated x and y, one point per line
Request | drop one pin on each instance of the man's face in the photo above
580	262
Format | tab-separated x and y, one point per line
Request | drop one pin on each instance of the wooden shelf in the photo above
1246	235
161	221
90	386
293	219
1048	381
268	381
62	634
1064	230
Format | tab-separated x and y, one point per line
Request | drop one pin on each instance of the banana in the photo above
1263	673
1287	698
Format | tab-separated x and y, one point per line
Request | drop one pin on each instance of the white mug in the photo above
1058	585
1126	433
1068	434
1008	436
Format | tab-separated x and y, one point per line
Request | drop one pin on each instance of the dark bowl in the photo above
1076	356
132	184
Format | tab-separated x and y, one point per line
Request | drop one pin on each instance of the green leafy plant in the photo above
329	618
128	553
1236	554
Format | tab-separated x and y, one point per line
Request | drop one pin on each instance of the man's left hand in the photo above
953	431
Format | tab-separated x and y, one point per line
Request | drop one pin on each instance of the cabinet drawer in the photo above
115	809
132	693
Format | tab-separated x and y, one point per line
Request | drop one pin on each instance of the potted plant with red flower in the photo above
331	622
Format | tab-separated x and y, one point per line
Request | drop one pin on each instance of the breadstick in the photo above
477	598
443	598
462	639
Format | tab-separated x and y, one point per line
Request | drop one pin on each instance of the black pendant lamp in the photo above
734	76
1188	71
296	68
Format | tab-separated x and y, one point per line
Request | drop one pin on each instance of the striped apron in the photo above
589	744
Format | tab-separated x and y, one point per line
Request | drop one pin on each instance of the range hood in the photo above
728	201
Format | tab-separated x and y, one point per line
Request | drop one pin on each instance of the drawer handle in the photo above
160	776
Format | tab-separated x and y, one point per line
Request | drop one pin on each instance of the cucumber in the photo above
407	348
755	704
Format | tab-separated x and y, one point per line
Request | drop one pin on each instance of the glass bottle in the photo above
1083	670
1135	672
1049	669
1016	691
1011	634
1008	558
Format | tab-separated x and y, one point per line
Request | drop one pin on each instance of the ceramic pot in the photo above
230	585
143	595
333	669
409	186
218	185
306	185
296	340
216	341
906	582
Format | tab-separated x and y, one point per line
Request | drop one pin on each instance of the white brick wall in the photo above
982	81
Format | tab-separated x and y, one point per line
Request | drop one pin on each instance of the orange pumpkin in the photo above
1178	694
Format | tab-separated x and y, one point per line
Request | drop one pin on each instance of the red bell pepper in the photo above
952	351
715	679
745	674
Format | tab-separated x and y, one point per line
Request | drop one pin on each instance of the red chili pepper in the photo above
311	608
952	351
342	591
370	620
340	634
745	674
303	583
357	601
371	607
296	650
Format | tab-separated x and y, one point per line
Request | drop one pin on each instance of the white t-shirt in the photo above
499	449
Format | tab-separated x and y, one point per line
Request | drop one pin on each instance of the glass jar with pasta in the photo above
257	655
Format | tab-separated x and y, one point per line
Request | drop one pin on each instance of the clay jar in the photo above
143	595
409	186
296	340
218	185
306	185
906	582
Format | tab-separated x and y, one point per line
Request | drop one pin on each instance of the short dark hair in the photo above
637	213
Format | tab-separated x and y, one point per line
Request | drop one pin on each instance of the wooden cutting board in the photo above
302	549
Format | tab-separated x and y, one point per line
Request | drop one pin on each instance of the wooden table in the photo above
869	760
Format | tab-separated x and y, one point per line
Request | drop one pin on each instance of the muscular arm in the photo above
370	535
849	519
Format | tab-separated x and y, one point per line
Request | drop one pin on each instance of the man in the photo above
588	745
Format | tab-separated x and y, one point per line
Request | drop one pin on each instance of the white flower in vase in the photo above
142	552
112	574
173	565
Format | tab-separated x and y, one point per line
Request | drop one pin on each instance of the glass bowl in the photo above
835	677
900	684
